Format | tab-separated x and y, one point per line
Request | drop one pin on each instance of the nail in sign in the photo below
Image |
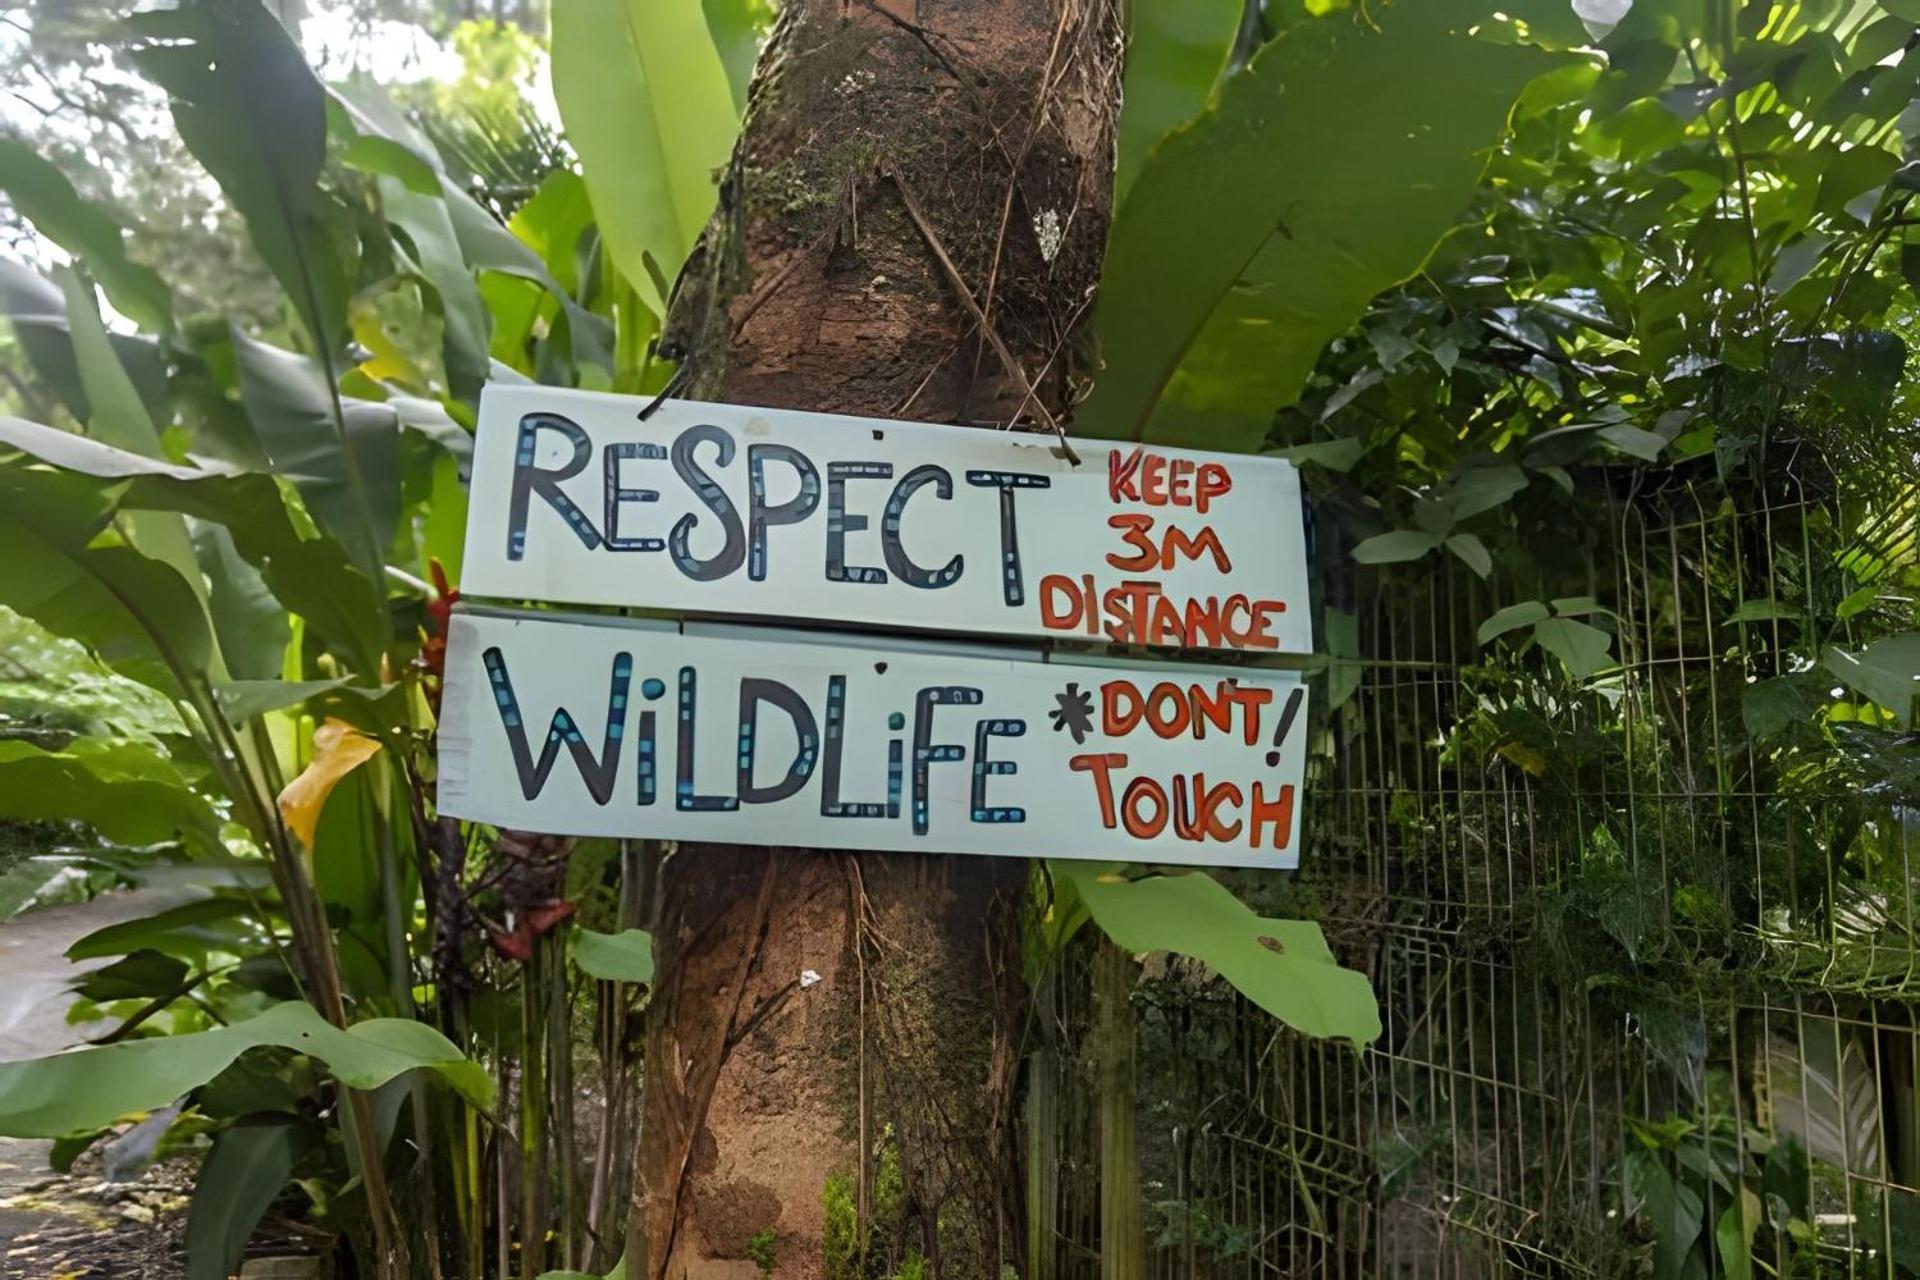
763	736
726	510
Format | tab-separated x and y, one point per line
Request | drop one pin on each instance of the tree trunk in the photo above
833	1042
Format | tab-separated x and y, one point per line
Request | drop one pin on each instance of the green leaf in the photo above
242	700
1284	966
1177	51
252	112
647	106
140	975
250	624
614	957
88	1088
1395	547
187	927
416	206
1887	672
1511	618
127	791
136	613
42	195
311	576
1481	489
1472	552
1644	445
1734	1235
1259	233
737	28
1770	706
1342	630
1672	1207
1334	455
240	1179
354	494
1583	648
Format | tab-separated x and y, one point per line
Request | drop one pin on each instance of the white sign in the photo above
733	734
724	510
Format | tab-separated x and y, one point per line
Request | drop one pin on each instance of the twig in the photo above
1007	361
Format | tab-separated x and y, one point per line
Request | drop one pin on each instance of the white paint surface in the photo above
554	661
1066	534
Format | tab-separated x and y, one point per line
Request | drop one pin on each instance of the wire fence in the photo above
1645	943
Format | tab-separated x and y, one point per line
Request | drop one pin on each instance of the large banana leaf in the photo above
1325	173
89	1088
1177	51
60	511
647	105
241	1178
42	195
127	791
1284	966
252	112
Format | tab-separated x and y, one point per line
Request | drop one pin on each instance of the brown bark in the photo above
906	169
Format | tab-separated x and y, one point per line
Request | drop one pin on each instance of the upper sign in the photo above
721	509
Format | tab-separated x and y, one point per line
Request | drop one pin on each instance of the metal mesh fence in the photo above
1645	944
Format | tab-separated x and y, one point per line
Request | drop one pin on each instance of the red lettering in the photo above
1133	529
1249	698
1153	480
1210	801
1168	714
1179	491
1139	826
1117	719
1122	468
1179	544
1216	710
1054	616
1101	766
1278	811
1212	481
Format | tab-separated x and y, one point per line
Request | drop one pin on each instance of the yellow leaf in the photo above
1532	759
338	749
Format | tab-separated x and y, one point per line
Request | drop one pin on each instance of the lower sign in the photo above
610	727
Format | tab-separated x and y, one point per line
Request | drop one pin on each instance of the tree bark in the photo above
832	1049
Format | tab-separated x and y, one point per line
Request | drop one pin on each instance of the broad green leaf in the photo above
311	576
1258	233
241	1177
1481	489
1644	445
139	975
250	624
1734	1233
1511	618
737	28
1284	966
1396	546
1334	455
647	106
1342	631
89	1088
1585	649
614	957
1886	671
1472	552
242	700
125	790
137	614
353	492
253	114
1673	1209
191	927
118	416
42	195
423	215
1177	51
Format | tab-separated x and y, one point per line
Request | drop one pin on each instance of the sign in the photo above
724	510
615	727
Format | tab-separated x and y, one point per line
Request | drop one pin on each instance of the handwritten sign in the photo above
753	735
725	510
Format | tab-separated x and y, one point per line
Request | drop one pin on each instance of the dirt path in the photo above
76	1227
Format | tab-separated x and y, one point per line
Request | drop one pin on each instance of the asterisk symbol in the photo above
1073	711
